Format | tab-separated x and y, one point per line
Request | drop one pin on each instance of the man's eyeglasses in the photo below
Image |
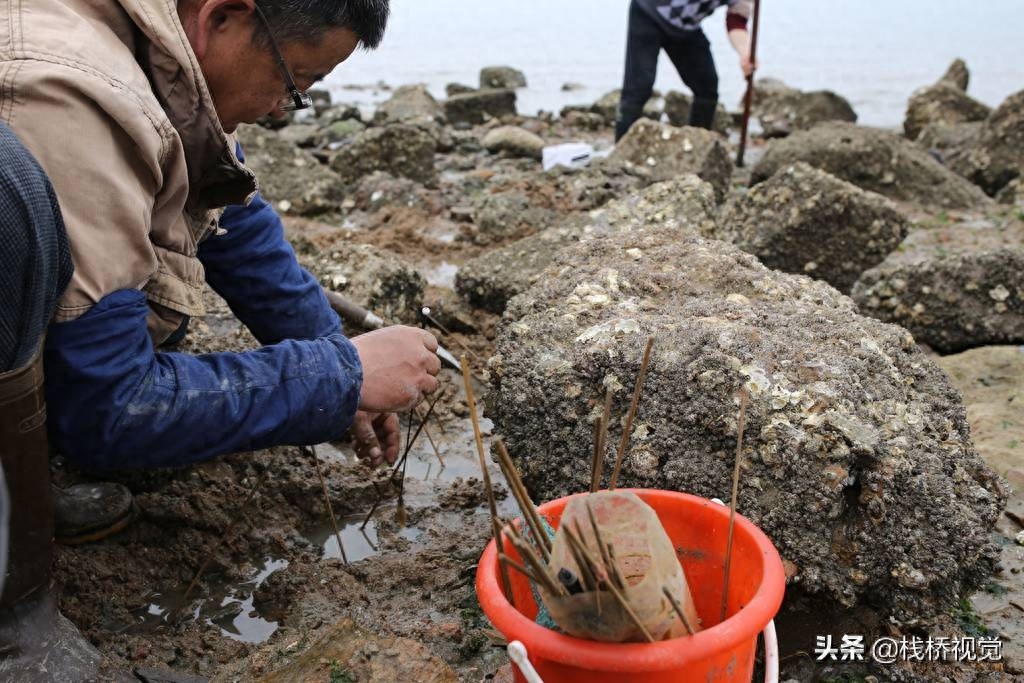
295	99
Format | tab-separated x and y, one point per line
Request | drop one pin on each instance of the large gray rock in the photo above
409	104
858	461
290	178
803	220
944	104
873	159
783	110
501	77
950	302
668	152
402	150
514	141
998	156
684	204
474	108
371	277
677	109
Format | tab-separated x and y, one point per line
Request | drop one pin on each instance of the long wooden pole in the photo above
748	99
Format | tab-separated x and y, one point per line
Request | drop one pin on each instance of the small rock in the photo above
670	152
374	278
572	87
677	109
502	78
288	176
514	141
453	89
500	217
409	104
957	75
944	104
476	107
403	150
783	110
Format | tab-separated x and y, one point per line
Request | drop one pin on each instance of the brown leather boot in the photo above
36	642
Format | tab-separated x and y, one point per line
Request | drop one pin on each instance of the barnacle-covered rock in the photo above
686	204
803	220
873	159
858	461
668	152
950	302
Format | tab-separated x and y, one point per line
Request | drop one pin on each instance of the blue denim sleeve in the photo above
254	268
114	403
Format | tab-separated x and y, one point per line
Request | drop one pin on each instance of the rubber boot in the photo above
36	642
702	112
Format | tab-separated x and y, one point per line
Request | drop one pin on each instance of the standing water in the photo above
873	53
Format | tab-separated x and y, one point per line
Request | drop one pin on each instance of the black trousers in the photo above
690	53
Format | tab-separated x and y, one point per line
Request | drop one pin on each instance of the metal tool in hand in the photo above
357	315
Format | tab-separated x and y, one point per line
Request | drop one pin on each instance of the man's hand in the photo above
399	368
375	437
746	65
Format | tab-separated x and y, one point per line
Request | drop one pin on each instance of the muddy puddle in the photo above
224	605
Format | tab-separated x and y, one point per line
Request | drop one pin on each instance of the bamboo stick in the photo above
741	424
327	501
399	465
627	431
495	530
678	610
526	507
623	602
597	469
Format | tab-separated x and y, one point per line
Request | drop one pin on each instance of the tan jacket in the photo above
109	97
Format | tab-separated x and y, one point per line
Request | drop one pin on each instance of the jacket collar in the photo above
216	177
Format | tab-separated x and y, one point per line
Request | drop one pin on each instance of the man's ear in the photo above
217	17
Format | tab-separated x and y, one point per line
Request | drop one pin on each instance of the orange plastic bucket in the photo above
723	651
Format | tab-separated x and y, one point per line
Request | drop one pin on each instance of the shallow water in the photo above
875	54
227	606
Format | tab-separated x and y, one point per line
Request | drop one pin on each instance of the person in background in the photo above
674	26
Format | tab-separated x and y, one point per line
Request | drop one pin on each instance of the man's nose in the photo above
276	113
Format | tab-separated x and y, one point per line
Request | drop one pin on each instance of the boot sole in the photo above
93	535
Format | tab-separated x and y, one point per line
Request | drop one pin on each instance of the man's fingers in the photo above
430	341
388	433
433	364
365	438
428	385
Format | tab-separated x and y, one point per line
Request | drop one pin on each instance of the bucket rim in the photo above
546	644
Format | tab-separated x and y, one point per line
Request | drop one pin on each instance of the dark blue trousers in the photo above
690	53
35	259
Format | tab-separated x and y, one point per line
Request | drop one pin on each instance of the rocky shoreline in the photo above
826	278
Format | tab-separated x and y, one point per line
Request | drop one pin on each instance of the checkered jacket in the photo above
686	15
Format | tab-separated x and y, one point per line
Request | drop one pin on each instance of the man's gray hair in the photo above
305	20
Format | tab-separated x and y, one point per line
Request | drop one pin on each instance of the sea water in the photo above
874	53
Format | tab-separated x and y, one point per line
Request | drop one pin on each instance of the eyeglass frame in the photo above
296	100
